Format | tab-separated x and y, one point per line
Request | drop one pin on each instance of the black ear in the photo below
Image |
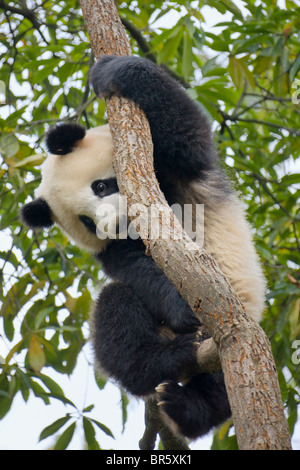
62	138
37	214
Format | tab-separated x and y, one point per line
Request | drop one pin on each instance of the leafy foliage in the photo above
244	72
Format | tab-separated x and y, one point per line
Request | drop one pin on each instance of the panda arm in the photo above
180	131
126	261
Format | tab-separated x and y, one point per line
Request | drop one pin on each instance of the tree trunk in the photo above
243	348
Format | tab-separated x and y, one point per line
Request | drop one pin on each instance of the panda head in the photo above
78	185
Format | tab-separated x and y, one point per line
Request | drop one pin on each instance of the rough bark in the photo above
243	348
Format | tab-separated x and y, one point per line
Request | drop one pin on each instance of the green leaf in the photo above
219	5
103	428
187	56
88	408
2	92
171	45
230	6
240	72
280	79
54	388
249	75
31	161
59	397
247	45
17	347
36	354
54	427
66	437
262	64
40	317
236	72
218	44
288	180
9	145
9	328
39	391
100	381
8	390
294	317
90	434
124	403
295	67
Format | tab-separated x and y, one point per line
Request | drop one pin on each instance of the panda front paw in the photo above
184	322
101	76
182	354
128	76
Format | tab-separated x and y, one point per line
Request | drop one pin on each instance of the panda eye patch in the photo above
105	187
88	223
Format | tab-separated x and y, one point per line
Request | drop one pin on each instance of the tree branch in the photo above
228	117
243	348
155	425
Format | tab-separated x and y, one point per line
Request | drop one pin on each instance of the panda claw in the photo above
161	403
161	387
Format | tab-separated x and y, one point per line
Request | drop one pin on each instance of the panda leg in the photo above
195	408
128	346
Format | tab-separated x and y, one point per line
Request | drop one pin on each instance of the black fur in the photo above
198	406
130	349
129	346
61	139
126	261
127	341
180	131
106	187
88	223
37	214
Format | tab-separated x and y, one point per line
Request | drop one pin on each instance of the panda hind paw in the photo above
180	412
169	396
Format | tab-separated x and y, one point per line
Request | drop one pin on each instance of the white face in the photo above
67	186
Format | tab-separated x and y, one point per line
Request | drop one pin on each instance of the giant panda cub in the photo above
78	180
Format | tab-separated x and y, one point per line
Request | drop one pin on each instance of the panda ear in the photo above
62	138
37	214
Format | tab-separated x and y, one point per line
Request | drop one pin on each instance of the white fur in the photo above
66	186
227	237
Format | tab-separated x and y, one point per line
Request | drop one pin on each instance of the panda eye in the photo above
100	188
